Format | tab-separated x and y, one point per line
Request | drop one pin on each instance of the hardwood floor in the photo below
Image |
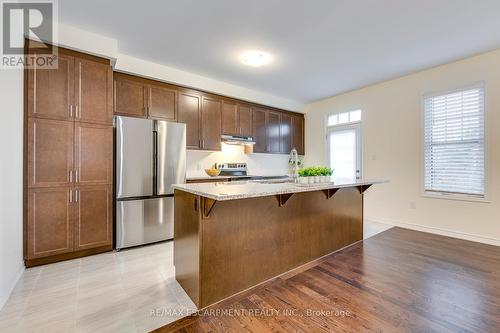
397	281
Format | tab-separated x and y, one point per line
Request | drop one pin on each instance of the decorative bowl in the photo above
212	172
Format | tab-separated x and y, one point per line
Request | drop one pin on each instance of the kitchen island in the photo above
231	236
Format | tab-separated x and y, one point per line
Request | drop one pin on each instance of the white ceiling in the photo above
321	47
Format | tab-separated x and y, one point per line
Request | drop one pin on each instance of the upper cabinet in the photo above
211	123
130	96
207	116
189	113
162	102
245	119
259	124
298	134
93	95
51	92
286	133
273	132
230	118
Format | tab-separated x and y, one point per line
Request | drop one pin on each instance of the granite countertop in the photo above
232	177
251	189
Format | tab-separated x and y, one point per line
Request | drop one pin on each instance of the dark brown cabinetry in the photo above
245	119
49	222
92	215
189	113
286	137
230	118
207	115
69	159
162	103
259	132
273	132
129	96
210	123
298	134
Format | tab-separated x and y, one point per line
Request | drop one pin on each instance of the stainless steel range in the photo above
239	171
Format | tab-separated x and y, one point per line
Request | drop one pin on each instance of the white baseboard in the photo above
4	297
437	231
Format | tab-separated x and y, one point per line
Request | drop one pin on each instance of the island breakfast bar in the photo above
232	236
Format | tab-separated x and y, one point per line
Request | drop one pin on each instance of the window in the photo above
454	142
344	144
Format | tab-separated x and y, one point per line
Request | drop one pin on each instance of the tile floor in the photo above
128	291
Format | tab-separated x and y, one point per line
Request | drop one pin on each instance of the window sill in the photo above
458	197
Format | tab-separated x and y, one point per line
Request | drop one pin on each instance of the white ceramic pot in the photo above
303	180
325	179
317	179
310	179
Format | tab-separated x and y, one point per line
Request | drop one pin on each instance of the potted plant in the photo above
304	176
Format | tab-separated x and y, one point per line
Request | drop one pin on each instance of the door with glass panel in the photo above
344	144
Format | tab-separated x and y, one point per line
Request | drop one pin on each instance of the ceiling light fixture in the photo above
256	58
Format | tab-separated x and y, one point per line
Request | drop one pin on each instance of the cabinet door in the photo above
49	222
93	91
211	124
230	118
93	219
245	119
162	102
93	154
286	135
51	92
298	134
50	152
129	97
259	124
189	113
273	132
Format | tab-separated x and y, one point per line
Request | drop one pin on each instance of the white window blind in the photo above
454	142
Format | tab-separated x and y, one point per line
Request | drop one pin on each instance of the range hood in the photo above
237	139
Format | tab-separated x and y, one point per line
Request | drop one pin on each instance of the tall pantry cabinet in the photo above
68	159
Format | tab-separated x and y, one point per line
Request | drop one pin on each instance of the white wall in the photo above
11	180
392	148
258	164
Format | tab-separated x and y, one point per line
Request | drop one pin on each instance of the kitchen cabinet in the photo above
162	103
259	130
93	216
93	154
49	222
245	119
93	92
286	135
207	115
230	118
211	123
298	134
130	96
69	159
50	152
273	132
51	92
189	113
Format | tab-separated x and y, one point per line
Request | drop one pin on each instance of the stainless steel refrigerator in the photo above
150	157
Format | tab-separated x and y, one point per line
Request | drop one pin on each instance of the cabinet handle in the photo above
70	176
203	143
77	111
71	111
77	192
71	196
76	176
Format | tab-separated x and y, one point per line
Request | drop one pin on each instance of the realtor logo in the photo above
34	22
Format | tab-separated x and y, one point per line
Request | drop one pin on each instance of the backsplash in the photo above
258	164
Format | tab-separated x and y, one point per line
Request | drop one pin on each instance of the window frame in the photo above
356	125
450	195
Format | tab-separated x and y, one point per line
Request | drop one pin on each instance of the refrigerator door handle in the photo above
155	162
